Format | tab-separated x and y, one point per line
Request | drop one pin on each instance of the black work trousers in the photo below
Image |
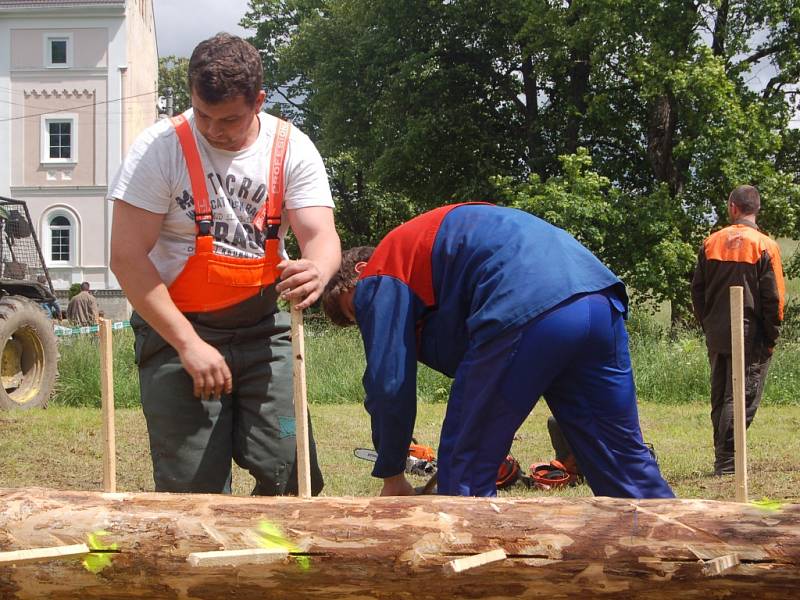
193	440
756	365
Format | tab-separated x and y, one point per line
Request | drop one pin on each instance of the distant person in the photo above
51	302
512	308
738	255
82	308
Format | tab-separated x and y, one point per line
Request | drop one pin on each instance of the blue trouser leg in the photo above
479	425
575	355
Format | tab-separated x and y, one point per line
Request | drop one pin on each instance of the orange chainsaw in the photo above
421	459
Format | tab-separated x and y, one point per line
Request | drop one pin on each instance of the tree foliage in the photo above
173	72
627	122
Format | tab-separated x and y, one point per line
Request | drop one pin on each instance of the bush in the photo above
78	382
670	367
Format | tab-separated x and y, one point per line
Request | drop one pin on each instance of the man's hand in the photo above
207	368
397	486
301	282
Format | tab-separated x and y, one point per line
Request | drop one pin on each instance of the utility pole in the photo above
168	95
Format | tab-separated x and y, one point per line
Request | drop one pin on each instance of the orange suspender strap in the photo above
202	208
270	211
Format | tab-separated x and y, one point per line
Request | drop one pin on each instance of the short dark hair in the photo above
85	286
224	67
747	199
343	280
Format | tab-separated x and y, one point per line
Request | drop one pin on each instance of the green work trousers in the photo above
193	440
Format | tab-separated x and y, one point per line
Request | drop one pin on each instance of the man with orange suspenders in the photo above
201	206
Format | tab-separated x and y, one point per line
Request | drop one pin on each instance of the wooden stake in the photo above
19	557
476	560
737	368
300	404
107	403
233	558
719	565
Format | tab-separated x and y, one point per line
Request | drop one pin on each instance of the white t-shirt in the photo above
154	177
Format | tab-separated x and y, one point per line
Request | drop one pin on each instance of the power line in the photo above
79	106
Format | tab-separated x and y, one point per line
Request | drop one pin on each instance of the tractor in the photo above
29	360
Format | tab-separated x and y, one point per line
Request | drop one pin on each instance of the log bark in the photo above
399	548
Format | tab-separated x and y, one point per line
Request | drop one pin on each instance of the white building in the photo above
78	81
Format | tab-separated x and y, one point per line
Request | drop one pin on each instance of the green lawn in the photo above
61	448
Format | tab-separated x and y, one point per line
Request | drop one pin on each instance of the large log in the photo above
403	548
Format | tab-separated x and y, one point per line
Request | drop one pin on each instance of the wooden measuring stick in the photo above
300	404
232	558
18	557
470	562
107	402
737	368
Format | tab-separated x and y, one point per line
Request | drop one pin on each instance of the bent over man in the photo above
202	203
512	308
743	256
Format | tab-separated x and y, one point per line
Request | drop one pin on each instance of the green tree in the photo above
489	99
173	72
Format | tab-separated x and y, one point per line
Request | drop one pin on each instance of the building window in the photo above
60	234
60	135
60	238
58	50
59	138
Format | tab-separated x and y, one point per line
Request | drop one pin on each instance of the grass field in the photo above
61	448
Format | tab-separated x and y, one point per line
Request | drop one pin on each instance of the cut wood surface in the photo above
18	557
397	548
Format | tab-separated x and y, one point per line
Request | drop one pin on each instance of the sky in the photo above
182	24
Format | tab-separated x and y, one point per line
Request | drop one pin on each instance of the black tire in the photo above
29	358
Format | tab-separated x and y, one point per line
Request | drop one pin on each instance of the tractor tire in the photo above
29	360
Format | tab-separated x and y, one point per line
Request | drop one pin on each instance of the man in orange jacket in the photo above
201	206
738	255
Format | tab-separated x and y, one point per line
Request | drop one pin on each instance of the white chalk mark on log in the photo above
19	557
470	562
663	518
232	558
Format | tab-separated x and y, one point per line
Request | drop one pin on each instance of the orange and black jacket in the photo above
739	255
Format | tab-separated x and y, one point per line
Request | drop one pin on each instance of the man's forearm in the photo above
324	250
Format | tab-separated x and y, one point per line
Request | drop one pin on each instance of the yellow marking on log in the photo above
768	505
272	537
97	561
